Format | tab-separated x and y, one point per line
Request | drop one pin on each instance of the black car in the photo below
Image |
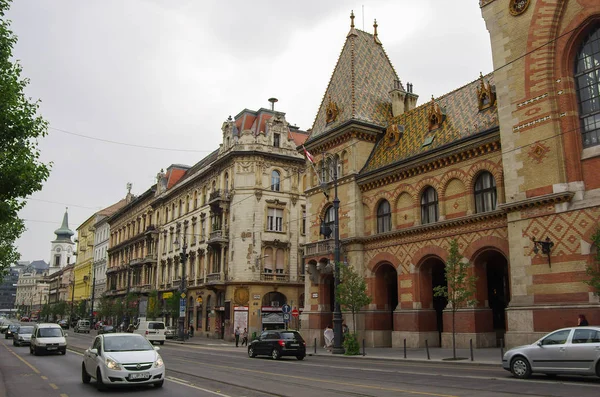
11	330
64	324
277	344
106	329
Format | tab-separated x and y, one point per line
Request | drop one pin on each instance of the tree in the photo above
61	309
592	269
153	309
46	311
81	310
352	296
460	288
173	305
21	172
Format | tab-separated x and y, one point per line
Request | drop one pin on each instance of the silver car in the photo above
574	351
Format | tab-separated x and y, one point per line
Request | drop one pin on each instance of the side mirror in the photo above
540	344
156	348
66	334
94	351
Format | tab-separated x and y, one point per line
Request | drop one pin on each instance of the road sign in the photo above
286	317
181	307
295	313
286	308
182	295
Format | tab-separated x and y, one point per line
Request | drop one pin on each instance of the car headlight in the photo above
159	362
112	364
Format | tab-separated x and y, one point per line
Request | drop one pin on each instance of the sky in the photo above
130	87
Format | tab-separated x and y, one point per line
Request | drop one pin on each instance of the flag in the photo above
308	155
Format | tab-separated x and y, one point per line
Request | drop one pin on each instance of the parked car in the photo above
4	326
64	324
11	330
277	344
48	337
154	331
122	359
573	351
82	326
107	329
24	319
170	332
23	335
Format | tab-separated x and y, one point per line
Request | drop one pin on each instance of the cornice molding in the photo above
553	198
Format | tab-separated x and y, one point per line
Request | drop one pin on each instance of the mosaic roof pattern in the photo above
463	119
359	85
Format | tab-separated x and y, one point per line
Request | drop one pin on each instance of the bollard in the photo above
364	352
471	347
315	345
501	349
404	347
427	348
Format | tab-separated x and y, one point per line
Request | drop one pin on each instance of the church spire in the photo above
64	233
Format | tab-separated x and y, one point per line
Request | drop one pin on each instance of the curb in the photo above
410	360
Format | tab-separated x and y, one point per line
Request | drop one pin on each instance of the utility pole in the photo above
72	298
93	294
182	290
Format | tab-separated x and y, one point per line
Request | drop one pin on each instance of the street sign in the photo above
286	317
295	313
286	308
183	295
181	307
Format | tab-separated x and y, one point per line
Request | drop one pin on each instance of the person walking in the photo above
328	335
245	337
582	321
191	331
237	336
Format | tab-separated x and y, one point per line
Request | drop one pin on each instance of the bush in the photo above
351	345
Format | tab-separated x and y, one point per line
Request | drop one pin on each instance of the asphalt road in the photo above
227	371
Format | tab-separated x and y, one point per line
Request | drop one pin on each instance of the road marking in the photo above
22	359
52	385
64	395
310	379
185	383
44	377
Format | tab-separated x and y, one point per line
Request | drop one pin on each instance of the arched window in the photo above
384	217
280	261
328	223
429	206
485	193
268	260
226	182
275	178
587	77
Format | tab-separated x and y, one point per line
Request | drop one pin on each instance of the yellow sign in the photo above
199	299
182	295
167	295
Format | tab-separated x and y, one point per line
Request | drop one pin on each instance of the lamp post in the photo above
182	289
72	297
93	296
337	312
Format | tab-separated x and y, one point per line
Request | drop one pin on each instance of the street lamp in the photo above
93	296
337	313
182	288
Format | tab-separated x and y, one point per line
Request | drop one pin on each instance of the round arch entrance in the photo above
432	275
385	294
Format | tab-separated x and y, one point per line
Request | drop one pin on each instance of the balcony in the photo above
274	277
150	258
214	277
151	230
219	195
322	247
218	236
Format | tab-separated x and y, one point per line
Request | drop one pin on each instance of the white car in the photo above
122	359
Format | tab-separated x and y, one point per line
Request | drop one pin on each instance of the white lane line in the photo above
186	383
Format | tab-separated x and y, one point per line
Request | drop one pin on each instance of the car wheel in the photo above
162	342
14	343
35	352
159	384
251	353
85	377
300	357
275	355
520	368
598	369
99	384
64	352
30	349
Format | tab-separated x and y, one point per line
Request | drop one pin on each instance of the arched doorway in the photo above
433	275
271	314
386	293
497	284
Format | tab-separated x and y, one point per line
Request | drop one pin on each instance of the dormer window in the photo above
276	140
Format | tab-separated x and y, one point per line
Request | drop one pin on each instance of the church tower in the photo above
61	250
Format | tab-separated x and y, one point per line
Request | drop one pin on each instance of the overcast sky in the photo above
166	74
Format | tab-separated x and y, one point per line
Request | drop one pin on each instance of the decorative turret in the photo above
63	233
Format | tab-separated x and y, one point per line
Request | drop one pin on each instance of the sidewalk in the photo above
487	356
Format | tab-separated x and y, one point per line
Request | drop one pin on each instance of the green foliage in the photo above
592	269
21	172
173	305
60	309
460	289
107	307
46	311
153	309
351	345
352	292
81	310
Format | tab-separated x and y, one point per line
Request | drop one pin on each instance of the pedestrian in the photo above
237	336
191	330
345	331
130	328
328	335
582	321
245	337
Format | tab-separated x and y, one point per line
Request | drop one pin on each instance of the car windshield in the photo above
13	327
120	343
108	327
291	336
25	330
49	332
156	326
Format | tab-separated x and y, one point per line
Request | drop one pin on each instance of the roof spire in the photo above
375	32
352	19
64	233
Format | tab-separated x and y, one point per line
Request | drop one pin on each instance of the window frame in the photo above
485	196
590	134
428	203
275	181
274	222
384	219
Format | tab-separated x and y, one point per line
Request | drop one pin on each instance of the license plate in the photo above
141	375
52	348
294	344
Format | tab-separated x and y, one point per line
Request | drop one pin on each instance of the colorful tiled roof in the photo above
462	119
360	84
